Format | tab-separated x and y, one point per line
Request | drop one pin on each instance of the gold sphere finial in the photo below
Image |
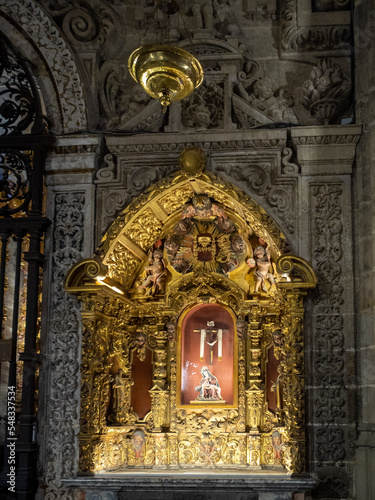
192	161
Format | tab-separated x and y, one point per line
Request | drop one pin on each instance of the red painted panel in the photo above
142	377
272	375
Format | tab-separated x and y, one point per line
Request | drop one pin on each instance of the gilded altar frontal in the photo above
193	342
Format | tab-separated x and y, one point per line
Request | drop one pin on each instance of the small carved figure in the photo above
225	225
183	226
140	339
133	104
171	330
138	442
326	91
278	338
261	95
201	206
238	244
276	387
262	261
180	265
327	81
241	326
207	448
208	388
202	11
157	277
229	266
118	391
277	444
171	246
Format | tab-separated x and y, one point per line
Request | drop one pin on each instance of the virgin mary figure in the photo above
208	388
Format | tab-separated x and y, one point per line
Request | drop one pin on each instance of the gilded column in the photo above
254	392
159	393
293	382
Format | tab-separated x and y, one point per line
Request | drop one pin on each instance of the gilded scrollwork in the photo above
208	420
172	202
173	191
122	264
145	229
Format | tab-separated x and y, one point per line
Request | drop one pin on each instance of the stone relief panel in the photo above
301	31
232	38
204	109
37	24
330	412
61	362
259	176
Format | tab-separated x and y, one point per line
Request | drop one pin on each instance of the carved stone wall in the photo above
70	207
309	197
364	17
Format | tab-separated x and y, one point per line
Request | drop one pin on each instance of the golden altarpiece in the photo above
192	334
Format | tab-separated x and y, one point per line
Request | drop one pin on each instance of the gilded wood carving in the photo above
191	302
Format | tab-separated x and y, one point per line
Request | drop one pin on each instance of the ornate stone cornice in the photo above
326	149
222	141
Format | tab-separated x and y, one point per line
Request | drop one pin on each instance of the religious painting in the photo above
207	347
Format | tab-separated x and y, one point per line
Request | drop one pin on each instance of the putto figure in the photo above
263	265
158	275
208	388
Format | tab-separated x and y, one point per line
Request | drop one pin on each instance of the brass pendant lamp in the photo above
166	72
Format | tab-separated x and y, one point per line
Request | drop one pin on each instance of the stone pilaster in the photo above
364	249
70	206
326	156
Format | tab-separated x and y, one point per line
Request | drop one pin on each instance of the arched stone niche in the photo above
192	244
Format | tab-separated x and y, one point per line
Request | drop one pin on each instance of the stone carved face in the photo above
139	95
263	88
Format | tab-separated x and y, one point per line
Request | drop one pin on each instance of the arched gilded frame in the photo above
210	248
207	352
